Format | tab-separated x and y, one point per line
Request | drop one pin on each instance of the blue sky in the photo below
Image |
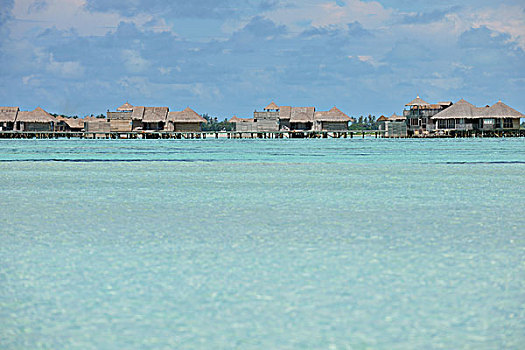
226	57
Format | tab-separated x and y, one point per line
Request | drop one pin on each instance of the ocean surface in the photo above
262	244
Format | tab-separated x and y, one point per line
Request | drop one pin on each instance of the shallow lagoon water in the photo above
339	244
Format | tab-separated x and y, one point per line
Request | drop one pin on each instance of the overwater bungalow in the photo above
465	117
268	119
302	118
332	120
185	121
418	115
97	125
36	120
8	118
243	124
69	124
122	120
154	118
393	126
274	118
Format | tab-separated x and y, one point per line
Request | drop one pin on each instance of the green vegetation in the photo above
100	116
365	123
214	124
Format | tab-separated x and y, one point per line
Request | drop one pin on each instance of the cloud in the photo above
227	57
181	8
427	17
483	38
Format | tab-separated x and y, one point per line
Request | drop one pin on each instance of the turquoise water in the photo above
262	244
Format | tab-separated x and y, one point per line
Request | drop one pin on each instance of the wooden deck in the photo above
185	135
234	134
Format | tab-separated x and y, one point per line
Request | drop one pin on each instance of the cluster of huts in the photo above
287	118
419	118
462	118
127	118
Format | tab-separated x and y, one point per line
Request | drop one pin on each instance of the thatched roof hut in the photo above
333	115
186	116
418	102
501	110
395	117
36	116
271	106
236	119
138	113
461	109
285	112
126	107
155	114
74	123
8	114
302	114
382	119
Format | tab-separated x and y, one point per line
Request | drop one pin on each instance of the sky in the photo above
226	57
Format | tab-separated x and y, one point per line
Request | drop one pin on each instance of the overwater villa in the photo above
8	118
275	118
418	114
13	119
459	119
129	118
463	118
393	126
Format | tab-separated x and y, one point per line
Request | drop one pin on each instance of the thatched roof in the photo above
417	102
186	116
501	110
271	106
126	107
74	122
138	113
8	114
382	118
333	115
155	114
285	112
88	119
395	117
460	109
466	110
302	114
235	119
36	116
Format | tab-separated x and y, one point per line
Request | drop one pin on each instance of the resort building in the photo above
36	120
332	120
97	125
8	118
185	121
122	120
69	124
418	115
137	118
465	117
394	126
244	124
268	119
275	118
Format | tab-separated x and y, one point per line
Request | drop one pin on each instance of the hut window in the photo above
507	123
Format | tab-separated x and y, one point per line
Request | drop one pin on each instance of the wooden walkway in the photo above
236	134
186	135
